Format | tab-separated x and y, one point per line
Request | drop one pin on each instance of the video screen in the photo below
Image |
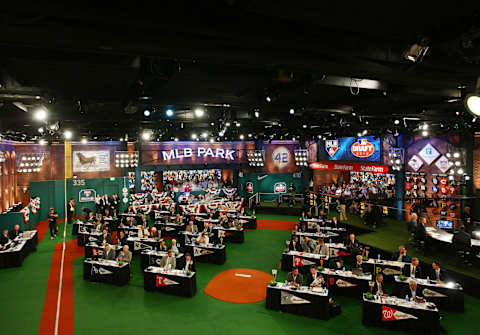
444	224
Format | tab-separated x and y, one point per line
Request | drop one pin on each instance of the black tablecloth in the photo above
114	274
169	229
452	299
14	258
231	235
186	287
86	237
317	308
191	236
137	245
389	271
346	285
427	322
96	251
248	222
154	259
213	255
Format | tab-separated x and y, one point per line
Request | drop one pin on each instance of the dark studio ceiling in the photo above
97	67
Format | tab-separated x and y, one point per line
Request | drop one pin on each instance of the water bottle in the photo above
379	257
428	279
406	298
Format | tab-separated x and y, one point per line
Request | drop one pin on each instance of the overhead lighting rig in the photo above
397	158
256	158
126	159
30	162
301	157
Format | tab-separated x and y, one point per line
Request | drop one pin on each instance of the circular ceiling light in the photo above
472	103
199	112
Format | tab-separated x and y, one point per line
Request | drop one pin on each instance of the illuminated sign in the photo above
281	157
351	149
249	187
362	148
200	152
331	146
352	167
280	187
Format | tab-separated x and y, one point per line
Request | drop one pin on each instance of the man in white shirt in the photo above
169	261
202	239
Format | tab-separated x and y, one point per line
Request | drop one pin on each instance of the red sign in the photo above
280	187
250	187
352	167
362	148
391	314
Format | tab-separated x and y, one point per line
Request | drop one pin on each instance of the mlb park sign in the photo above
200	152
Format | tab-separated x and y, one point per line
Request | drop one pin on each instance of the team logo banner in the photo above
201	252
164	281
427	293
91	161
101	271
97	252
331	146
359	149
141	246
290	299
362	148
391	314
343	283
391	272
298	261
280	187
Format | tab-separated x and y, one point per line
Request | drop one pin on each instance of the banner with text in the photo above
361	149
352	167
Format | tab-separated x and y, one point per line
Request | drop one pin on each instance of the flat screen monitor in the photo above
445	224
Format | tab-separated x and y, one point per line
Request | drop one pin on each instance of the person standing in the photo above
52	223
70	211
342	202
293	191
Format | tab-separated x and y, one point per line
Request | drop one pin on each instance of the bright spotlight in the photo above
211	140
40	114
365	132
68	134
199	112
425	126
41	130
424	133
176	139
472	102
146	135
204	135
257	114
194	136
460	171
169	112
146	112
397	121
84	140
292	111
268	98
456	155
42	142
242	137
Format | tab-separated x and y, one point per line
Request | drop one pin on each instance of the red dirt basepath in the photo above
276	224
228	286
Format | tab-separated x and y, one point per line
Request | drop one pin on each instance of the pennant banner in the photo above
391	314
343	283
141	246
297	261
201	252
164	281
427	293
101	271
290	299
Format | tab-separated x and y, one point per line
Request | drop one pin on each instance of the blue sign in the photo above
352	149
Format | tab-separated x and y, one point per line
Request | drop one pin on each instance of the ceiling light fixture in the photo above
40	114
146	112
169	112
199	112
67	134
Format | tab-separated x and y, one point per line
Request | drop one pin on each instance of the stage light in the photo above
41	130
194	136
204	135
424	133
304	126
467	178
249	135
460	171
221	133
42	142
359	134
456	155
211	140
169	113
242	137
365	132
257	114
472	103
449	155
292	111
268	98
68	134
227	124
40	114
238	124
425	126
53	126
84	140
146	112
397	121
199	112
146	135
176	139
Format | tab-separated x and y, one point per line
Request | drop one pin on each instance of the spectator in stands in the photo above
401	255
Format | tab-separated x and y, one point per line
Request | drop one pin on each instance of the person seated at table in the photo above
353	246
207	228
321	248
336	263
178	219
437	273
86	211
4	239
318	229
169	261
462	240
314	278
106	236
175	246
295	278
191	228
189	263
143	231
107	213
412	291
413	269
90	218
309	216
303	228
154	232
295	245
321	215
15	232
359	264
100	218
308	245
378	287
211	214
335	222
125	255
202	239
401	255
122	238
108	253
162	246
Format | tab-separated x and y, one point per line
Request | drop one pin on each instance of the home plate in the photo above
243	275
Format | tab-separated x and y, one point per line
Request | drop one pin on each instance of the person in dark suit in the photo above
401	255
412	291
189	263
353	246
122	238
314	279
86	212
4	239
15	232
437	273
70	210
108	253
106	237
378	287
413	269
52	223
294	278
295	245
163	246
359	264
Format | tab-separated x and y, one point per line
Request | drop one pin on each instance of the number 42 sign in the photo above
281	157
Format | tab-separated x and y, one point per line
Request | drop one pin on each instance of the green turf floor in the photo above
102	308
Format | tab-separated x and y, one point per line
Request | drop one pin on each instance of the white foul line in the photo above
60	284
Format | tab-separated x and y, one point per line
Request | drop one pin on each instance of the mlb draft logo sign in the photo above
362	148
86	195
331	146
249	187
280	187
281	157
